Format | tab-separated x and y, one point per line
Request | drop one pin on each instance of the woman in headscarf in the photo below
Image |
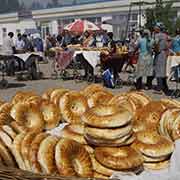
161	55
145	60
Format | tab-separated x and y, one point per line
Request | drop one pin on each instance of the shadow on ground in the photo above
16	85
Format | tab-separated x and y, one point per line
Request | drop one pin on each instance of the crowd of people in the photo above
153	49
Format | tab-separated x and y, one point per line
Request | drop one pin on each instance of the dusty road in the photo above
41	85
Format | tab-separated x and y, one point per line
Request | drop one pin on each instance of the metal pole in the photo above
140	14
127	26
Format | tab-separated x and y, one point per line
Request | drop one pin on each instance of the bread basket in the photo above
7	173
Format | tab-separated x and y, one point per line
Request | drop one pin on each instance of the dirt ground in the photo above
41	85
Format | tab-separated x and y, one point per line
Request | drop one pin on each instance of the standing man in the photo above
176	42
145	60
19	43
8	44
8	50
161	55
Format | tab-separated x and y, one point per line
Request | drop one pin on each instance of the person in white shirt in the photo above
9	49
19	42
8	46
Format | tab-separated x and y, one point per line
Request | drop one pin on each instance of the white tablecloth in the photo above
172	62
93	57
25	56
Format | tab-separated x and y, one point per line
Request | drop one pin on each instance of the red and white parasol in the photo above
81	26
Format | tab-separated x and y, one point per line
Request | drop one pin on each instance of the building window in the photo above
18	31
134	17
4	30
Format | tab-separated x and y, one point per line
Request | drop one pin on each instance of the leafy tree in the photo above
55	3
36	5
178	22
162	12
49	5
9	6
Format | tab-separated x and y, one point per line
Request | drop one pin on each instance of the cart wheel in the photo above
90	79
40	75
19	77
77	76
119	83
3	84
130	80
64	75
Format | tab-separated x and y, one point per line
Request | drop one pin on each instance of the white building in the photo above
52	20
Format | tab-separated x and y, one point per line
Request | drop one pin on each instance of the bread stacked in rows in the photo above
155	149
124	132
44	153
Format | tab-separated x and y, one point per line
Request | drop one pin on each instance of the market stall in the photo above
172	61
89	58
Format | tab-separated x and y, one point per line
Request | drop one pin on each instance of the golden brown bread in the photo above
108	134
56	95
155	159
33	152
6	108
122	158
148	116
171	103
51	114
169	124
91	89
74	132
6	139
157	166
138	98
28	115
16	150
151	144
1	101
25	146
6	155
73	105
34	100
176	129
99	168
107	116
9	131
47	94
89	149
21	96
122	100
18	128
72	159
99	97
100	176
124	141
46	155
5	118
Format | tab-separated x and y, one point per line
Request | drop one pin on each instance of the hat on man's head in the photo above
160	26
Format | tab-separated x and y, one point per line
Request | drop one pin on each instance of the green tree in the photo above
162	12
4	7
13	5
178	22
55	3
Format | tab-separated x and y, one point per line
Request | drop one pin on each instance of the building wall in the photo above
16	27
53	20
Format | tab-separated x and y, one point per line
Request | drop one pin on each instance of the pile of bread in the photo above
105	134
